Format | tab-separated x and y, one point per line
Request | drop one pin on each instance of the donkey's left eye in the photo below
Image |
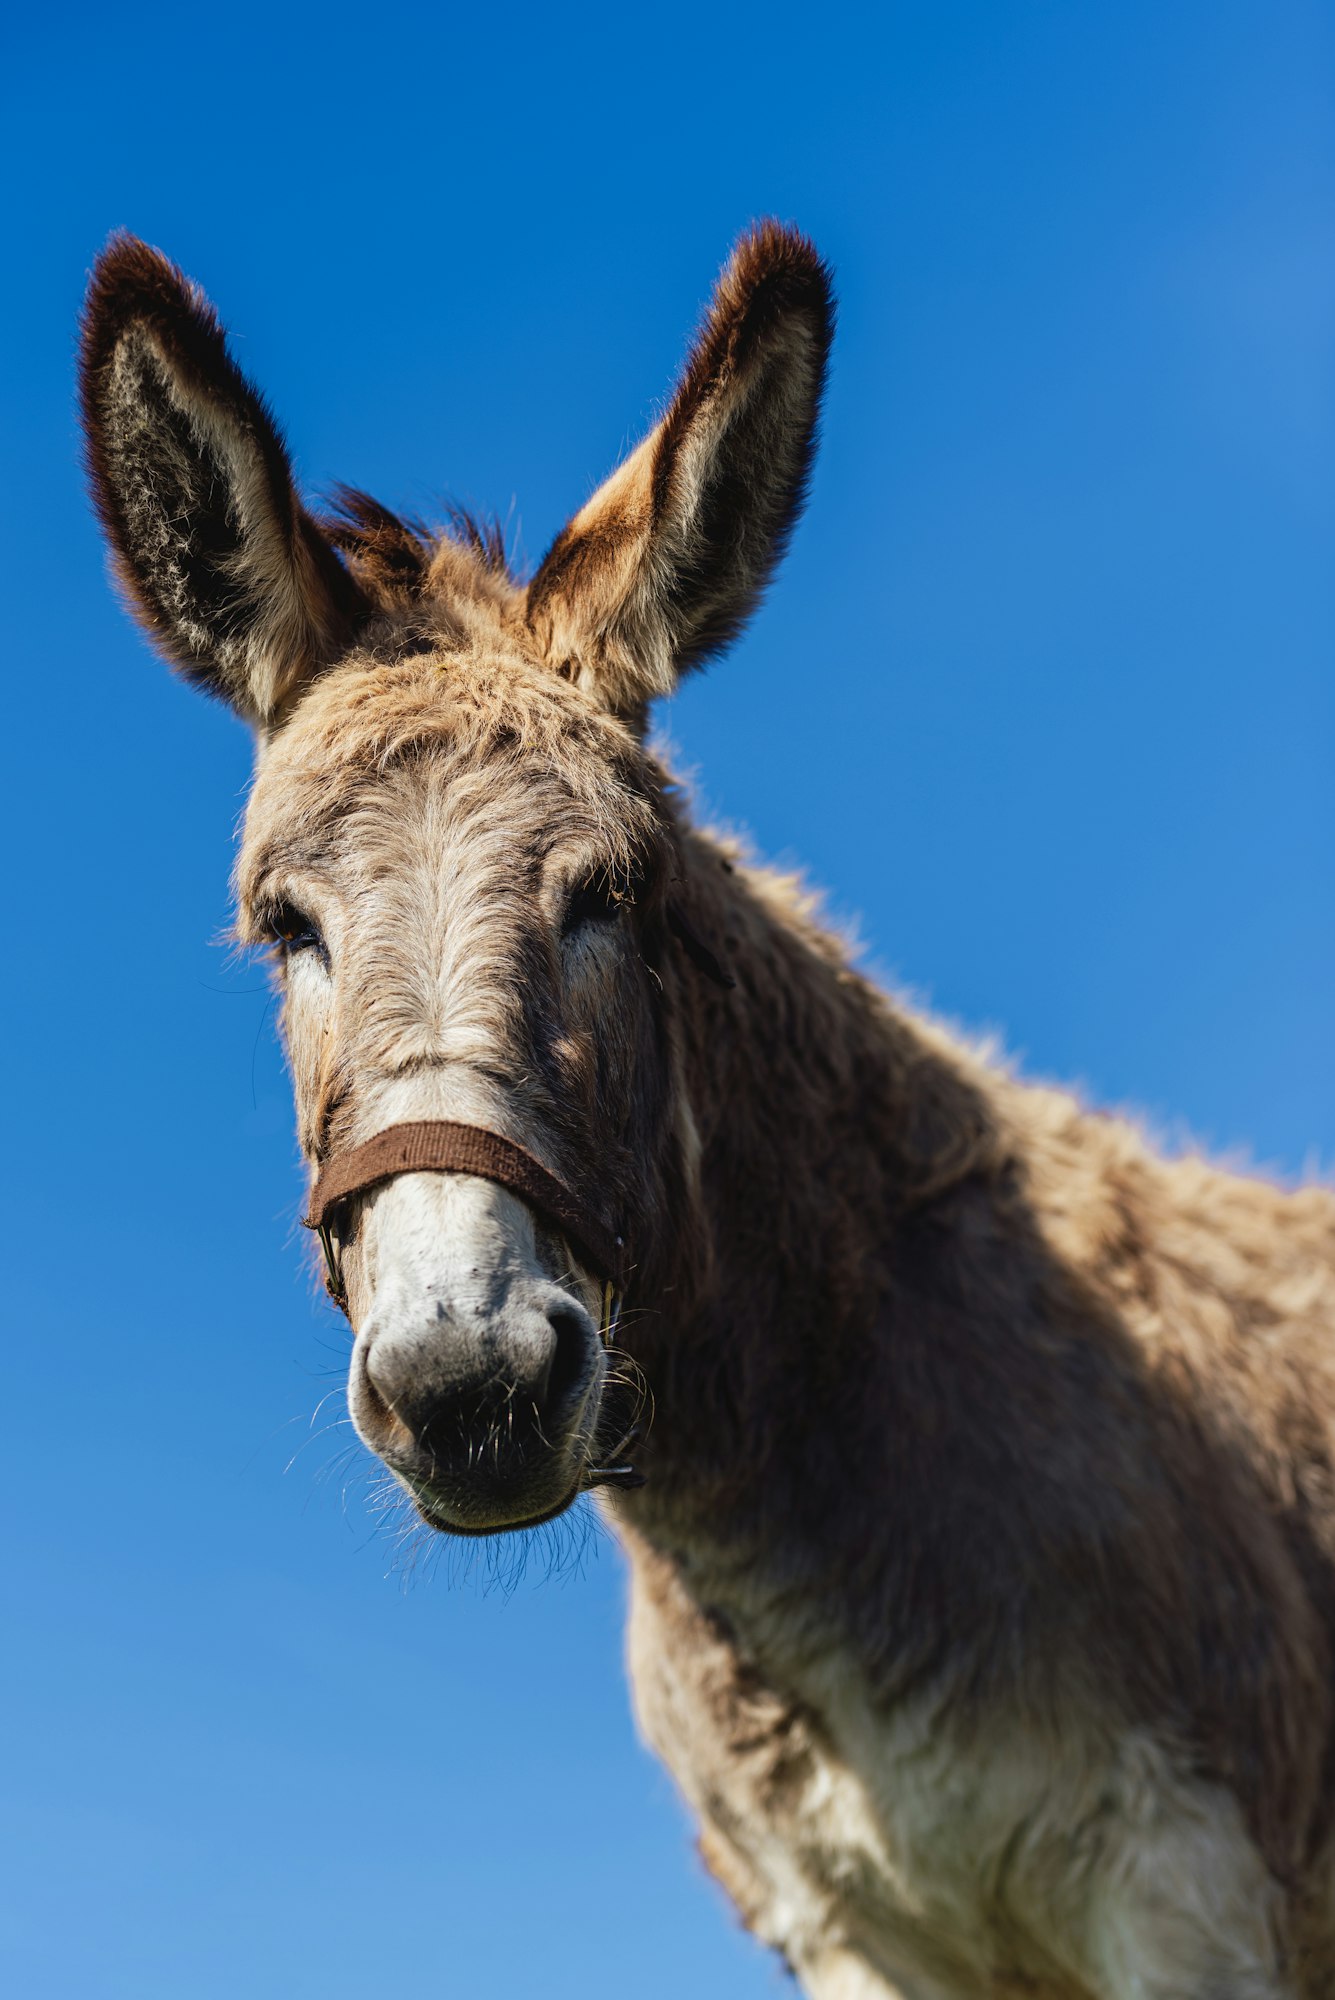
597	901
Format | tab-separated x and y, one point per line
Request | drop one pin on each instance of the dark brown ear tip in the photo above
131	280
133	283
125	255
775	278
779	255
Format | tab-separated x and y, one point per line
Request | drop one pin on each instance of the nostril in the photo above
378	1399
570	1359
363	1364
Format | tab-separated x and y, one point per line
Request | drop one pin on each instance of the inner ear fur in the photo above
189	474
670	557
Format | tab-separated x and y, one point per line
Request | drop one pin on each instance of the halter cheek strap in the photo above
441	1146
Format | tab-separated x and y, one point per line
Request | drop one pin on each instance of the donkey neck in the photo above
820	1116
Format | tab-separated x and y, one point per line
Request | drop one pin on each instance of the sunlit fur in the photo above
983	1586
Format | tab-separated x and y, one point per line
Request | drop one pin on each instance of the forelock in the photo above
399	561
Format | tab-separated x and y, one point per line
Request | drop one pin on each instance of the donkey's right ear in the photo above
217	555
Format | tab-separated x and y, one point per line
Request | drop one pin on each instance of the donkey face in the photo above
456	843
467	893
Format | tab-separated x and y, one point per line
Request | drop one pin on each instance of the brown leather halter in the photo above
440	1146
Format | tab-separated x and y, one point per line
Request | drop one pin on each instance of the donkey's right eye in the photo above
294	931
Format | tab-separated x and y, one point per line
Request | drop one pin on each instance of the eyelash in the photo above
597	901
600	899
293	932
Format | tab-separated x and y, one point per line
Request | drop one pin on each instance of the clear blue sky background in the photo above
1043	697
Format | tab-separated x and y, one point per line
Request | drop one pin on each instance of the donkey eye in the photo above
597	901
294	930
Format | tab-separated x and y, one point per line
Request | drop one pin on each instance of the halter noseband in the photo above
440	1146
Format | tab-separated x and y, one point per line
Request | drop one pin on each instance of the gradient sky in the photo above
1043	698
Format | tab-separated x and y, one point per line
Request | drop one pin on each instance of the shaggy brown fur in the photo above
984	1580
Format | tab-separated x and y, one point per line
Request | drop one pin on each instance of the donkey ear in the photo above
668	560
217	555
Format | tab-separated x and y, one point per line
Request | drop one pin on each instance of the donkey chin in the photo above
476	1376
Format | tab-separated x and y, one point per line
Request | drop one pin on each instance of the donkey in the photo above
981	1517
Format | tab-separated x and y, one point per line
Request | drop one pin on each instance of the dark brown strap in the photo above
439	1146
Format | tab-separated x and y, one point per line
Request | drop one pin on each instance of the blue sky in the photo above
1043	697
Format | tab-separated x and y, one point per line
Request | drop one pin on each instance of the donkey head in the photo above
456	844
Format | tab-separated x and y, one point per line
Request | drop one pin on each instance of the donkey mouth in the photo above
441	1512
491	1506
498	1475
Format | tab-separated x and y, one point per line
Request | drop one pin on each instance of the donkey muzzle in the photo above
476	1375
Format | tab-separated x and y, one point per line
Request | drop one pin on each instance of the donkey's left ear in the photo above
668	560
216	553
